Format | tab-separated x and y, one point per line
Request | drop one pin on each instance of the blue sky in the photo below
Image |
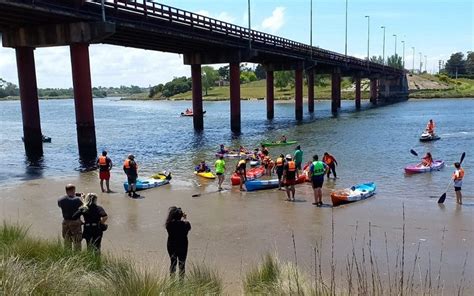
435	28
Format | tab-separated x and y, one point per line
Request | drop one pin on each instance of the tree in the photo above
260	72
8	89
456	64
209	77
282	78
224	72
247	76
377	59
470	63
395	61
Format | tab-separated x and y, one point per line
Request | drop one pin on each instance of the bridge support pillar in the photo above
234	97
310	78
81	79
357	92
270	95
299	94
373	91
198	120
32	136
335	91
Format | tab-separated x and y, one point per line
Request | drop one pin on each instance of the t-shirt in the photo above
69	207
289	175
220	166
178	233
94	214
298	156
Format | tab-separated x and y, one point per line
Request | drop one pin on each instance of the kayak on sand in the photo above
278	143
252	174
143	184
355	193
207	175
253	185
419	168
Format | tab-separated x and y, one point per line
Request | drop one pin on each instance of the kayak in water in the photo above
426	137
207	175
355	193
190	113
143	184
419	168
278	143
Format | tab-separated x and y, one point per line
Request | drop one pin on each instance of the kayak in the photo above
162	176
207	175
234	155
254	162
306	172
426	137
44	139
417	168
191	113
355	193
253	185
278	143
252	174
143	184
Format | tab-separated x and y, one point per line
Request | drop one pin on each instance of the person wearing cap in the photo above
316	171
105	165
130	168
298	157
290	173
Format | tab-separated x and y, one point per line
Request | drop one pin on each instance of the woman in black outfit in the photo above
178	228
94	222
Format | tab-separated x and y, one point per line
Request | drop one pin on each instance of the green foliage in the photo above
247	76
377	59
176	86
260	72
395	61
8	89
283	78
470	63
224	72
209	77
456	64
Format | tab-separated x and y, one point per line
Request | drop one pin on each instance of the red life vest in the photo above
291	166
102	160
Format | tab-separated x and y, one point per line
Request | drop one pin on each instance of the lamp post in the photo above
383	47
395	35
311	27
426	63
413	67
421	63
403	54
368	37
346	29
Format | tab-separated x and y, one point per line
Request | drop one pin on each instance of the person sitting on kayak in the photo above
430	127
427	160
283	139
222	149
202	167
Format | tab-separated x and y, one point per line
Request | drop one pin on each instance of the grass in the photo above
460	88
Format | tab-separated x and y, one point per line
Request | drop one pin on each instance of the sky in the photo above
435	28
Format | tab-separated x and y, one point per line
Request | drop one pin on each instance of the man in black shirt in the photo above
71	226
130	168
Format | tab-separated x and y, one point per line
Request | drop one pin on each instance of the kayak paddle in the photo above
413	152
443	196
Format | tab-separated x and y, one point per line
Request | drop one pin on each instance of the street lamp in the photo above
395	35
421	63
426	63
403	42
368	37
311	27
383	50
346	28
413	68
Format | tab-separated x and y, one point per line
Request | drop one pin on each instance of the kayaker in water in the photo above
316	171
290	174
430	127
130	168
202	167
178	228
220	170
427	160
241	170
283	139
222	149
331	163
457	177
279	165
298	157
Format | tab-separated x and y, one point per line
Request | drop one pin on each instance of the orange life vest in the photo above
102	160
328	159
279	162
430	126
291	166
460	176
126	164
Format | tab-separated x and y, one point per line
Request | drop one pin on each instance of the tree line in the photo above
459	65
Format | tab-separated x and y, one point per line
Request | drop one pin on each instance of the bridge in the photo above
29	24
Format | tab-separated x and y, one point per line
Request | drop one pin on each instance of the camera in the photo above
79	194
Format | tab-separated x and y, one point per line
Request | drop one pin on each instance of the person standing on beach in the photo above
130	168
94	222
241	170
178	228
220	170
71	226
331	162
316	171
290	173
457	178
105	165
279	166
298	157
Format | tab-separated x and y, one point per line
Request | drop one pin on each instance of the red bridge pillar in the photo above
270	95
197	97
310	75
335	91
299	94
373	91
32	136
357	92
234	97
81	78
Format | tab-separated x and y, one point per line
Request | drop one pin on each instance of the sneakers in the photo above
135	195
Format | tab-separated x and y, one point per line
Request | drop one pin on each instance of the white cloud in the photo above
222	16
275	21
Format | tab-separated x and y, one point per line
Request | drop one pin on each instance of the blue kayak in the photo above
257	184
355	193
143	184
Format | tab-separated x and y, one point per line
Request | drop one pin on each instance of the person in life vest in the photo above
427	160
283	139
458	175
202	167
130	168
278	168
290	174
264	150
241	170
430	127
317	170
105	165
222	149
331	162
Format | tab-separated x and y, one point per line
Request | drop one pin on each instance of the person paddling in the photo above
427	160
457	177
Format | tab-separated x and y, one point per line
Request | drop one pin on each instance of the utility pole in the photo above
439	66
368	37
413	68
421	63
346	28
426	63
395	35
311	27
103	9
250	28
403	42
383	50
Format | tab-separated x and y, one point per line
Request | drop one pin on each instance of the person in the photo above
331	162
105	165
202	167
220	170
427	160
458	175
241	170
222	149
130	168
264	150
283	139
290	173
430	127
278	168
94	222
177	245
317	170
71	226
242	149
298	157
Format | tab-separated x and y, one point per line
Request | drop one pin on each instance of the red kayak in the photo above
252	174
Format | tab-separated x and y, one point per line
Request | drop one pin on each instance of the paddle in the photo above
443	196
413	152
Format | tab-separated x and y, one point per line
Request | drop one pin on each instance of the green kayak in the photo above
278	143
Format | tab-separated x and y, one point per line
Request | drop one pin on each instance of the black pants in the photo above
178	256
93	237
332	167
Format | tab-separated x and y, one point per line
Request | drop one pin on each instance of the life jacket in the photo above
318	168
241	162
458	174
266	159
291	166
328	159
126	164
102	160
279	162
430	126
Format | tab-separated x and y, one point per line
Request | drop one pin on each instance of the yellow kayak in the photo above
162	176
208	175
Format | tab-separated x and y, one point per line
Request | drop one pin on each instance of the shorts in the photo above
105	175
298	165
289	182
219	174
317	181
132	179
457	188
